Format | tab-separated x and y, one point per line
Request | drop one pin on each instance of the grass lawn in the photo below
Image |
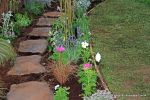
121	31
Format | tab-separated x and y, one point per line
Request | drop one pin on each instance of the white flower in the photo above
56	87
8	41
98	57
84	44
90	33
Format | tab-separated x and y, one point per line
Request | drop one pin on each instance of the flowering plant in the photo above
88	78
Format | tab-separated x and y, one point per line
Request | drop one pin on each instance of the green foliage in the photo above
33	7
70	55
147	2
88	78
61	94
7	26
83	24
6	52
85	54
22	20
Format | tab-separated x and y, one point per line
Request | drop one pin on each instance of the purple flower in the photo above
60	49
87	66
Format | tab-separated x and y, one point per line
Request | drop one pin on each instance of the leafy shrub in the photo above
33	7
6	52
7	26
61	94
88	78
22	20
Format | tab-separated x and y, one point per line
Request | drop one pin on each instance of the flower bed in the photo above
72	54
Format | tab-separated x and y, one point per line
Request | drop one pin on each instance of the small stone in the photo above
52	14
30	91
25	65
40	32
45	21
33	46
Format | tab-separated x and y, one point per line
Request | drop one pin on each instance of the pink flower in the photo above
87	66
60	49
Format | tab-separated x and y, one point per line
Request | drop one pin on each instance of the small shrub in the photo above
62	72
33	7
61	94
22	20
6	52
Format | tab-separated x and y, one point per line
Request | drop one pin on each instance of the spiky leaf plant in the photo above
6	52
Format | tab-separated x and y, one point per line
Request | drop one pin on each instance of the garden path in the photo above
30	63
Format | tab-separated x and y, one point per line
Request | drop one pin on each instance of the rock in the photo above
33	46
27	65
40	32
52	14
30	91
45	21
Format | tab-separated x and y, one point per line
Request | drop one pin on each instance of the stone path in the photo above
40	32
31	62
33	46
30	91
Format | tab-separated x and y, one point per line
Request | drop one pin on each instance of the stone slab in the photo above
30	91
40	32
52	14
25	65
33	46
45	21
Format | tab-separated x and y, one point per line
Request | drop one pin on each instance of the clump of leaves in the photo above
88	79
22	20
35	8
62	72
6	52
61	94
7	26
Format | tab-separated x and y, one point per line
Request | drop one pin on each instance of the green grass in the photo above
121	30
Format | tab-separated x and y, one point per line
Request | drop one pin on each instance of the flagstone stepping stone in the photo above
25	65
30	91
40	32
45	21
33	46
51	14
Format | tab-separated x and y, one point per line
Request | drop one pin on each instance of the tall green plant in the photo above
14	5
67	17
6	52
